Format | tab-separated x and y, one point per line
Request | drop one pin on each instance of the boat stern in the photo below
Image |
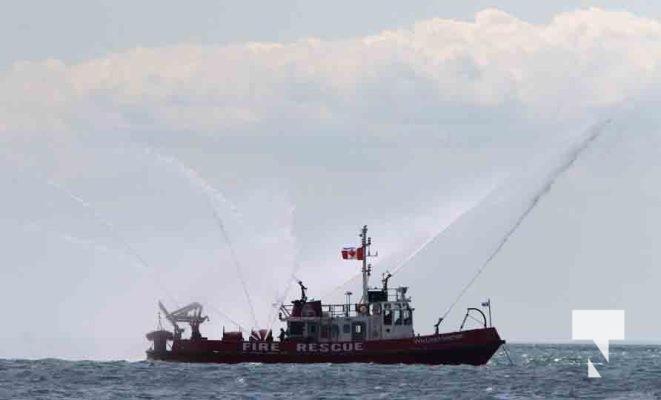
159	339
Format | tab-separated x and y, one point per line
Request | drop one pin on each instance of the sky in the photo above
219	151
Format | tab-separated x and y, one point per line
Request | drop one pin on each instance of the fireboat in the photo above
377	329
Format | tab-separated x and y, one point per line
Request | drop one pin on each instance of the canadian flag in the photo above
353	253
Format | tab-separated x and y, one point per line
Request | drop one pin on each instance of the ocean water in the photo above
539	372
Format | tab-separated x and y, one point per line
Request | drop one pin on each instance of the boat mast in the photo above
365	243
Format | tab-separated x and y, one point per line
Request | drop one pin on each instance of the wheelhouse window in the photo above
408	317
387	317
346	328
335	331
398	317
296	328
312	329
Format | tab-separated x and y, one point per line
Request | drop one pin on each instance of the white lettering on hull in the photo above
261	347
328	347
438	339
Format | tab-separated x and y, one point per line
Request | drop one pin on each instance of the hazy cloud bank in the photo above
580	60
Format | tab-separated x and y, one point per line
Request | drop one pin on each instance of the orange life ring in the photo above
362	309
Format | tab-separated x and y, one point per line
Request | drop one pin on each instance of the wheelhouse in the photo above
382	313
387	314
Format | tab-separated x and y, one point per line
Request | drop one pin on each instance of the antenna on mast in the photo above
363	253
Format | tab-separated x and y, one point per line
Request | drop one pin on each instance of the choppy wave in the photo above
539	372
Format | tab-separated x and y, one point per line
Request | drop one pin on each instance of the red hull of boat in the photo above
474	347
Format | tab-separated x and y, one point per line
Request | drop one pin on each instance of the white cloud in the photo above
580	60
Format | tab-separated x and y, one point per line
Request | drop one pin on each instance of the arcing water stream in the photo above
87	243
213	196
237	265
444	227
130	250
103	221
194	178
216	197
566	161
